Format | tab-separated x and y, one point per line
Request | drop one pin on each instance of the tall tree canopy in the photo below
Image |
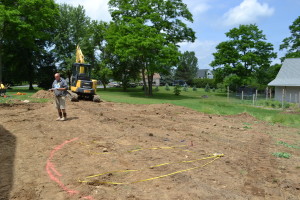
292	43
144	34
27	29
187	67
245	55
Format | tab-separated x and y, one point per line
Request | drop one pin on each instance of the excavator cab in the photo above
82	86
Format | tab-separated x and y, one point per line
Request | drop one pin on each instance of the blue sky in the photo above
213	18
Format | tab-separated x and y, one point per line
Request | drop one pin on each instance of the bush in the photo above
194	88
167	87
185	88
156	89
177	90
201	83
207	88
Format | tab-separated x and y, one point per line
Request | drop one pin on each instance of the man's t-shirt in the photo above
60	84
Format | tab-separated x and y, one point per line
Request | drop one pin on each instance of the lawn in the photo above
216	103
12	97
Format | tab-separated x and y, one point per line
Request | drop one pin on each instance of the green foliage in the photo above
177	90
185	88
288	145
201	83
246	54
167	87
194	88
156	89
28	33
144	35
187	67
207	88
282	155
292	43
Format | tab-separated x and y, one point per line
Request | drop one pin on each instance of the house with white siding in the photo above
287	81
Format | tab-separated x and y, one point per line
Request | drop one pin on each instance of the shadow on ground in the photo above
7	156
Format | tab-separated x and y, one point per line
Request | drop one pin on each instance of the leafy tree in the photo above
27	29
72	28
292	43
243	54
146	34
187	67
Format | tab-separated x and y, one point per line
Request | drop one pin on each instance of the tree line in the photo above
39	37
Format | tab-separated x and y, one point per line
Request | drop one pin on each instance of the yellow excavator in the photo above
82	86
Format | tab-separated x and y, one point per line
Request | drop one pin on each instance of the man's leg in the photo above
64	113
60	114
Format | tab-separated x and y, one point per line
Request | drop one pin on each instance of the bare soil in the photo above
46	159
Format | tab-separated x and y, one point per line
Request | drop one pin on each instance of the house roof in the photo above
289	74
202	72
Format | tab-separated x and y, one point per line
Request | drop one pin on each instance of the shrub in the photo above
207	88
177	90
185	88
282	155
167	87
194	88
156	89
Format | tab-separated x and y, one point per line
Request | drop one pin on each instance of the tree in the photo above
146	34
243	55
292	43
72	28
27	30
187	67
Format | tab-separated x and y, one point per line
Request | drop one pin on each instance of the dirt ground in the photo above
44	159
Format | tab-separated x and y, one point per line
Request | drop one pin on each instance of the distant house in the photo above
288	81
205	73
156	79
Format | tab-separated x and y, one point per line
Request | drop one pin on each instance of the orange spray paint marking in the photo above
54	174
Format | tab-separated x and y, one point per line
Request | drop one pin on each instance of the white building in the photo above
287	82
205	73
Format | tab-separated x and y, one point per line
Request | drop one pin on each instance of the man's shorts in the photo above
60	102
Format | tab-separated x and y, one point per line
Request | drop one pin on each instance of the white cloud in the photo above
203	49
97	10
247	12
197	7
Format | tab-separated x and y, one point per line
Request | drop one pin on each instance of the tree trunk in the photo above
31	85
104	86
144	82
150	81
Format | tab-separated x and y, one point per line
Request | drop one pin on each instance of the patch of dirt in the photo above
43	94
45	159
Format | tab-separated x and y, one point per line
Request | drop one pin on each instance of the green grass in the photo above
282	155
15	98
216	103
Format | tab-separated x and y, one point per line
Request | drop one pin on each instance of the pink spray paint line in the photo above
54	174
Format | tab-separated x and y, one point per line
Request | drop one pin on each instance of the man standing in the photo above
60	88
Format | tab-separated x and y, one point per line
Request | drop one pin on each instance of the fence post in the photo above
267	93
282	98
228	93
242	95
270	93
253	99
256	94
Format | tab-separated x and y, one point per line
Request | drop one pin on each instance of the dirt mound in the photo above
43	94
